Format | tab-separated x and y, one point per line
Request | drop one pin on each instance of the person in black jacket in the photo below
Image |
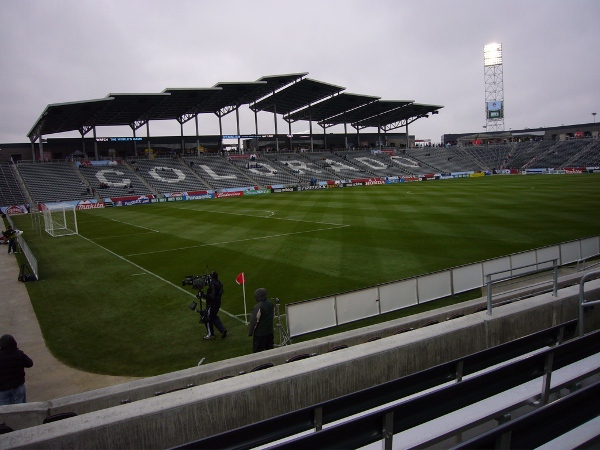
261	322
12	371
213	304
11	236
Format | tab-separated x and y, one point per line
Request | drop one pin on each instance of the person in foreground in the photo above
261	322
12	371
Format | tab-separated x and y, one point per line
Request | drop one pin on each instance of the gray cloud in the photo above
430	51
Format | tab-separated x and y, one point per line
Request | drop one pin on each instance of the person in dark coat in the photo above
261	322
12	371
213	304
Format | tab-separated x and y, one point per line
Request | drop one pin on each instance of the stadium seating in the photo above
117	181
61	181
10	192
53	182
452	400
265	172
301	167
217	173
167	175
339	167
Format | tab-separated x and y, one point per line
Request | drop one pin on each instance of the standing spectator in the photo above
11	236
12	371
261	322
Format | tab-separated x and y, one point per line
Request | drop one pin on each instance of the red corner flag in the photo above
240	279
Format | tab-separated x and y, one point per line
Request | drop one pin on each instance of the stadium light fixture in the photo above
492	54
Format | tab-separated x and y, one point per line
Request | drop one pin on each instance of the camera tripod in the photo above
284	338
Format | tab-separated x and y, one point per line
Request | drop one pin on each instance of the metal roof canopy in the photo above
332	106
128	109
370	110
276	82
295	96
184	103
59	117
396	118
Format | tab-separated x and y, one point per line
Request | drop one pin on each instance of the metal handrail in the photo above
489	280
582	303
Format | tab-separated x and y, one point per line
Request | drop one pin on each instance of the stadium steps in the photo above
140	179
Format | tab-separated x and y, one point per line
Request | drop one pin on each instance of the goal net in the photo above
60	219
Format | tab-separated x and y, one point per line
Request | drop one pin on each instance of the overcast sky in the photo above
429	51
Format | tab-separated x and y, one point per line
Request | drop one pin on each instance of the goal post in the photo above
60	219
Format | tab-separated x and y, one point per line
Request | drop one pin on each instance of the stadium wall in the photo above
178	417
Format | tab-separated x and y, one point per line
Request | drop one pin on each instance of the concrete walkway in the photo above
48	378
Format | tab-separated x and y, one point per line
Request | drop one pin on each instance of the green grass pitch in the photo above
110	300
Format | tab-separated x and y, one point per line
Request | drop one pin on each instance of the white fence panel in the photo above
519	260
357	305
546	254
310	316
501	265
465	278
434	286
398	295
589	247
570	252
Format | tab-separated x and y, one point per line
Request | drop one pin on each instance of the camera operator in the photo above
213	304
261	322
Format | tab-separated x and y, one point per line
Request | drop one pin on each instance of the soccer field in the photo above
110	300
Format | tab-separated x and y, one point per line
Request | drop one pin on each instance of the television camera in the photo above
198	282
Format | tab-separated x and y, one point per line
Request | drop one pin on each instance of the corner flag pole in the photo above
241	279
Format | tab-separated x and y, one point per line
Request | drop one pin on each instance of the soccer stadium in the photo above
426	295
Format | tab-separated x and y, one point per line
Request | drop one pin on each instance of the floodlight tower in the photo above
494	87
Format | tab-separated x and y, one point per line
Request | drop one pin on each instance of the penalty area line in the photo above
155	275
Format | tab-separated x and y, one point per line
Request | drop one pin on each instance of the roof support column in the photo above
324	137
220	133
148	138
95	143
312	149
407	142
41	149
83	145
290	135
134	143
237	121
197	136
275	118
182	139
256	130
345	136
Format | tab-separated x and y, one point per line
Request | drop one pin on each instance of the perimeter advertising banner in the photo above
129	201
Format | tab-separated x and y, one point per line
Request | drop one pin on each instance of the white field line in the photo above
154	275
271	236
270	216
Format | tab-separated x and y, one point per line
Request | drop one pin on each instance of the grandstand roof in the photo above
293	95
394	117
296	96
331	107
